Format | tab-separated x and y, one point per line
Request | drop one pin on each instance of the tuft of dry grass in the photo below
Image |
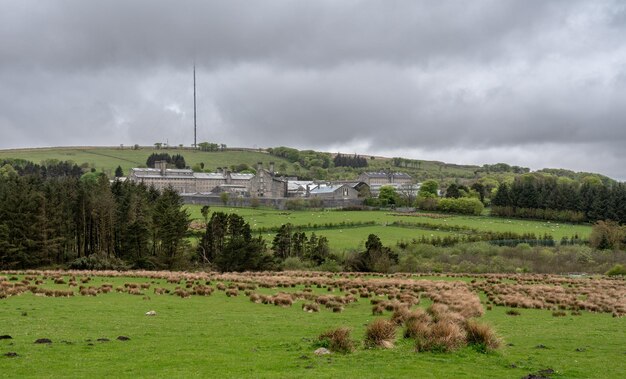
481	334
380	333
416	328
338	340
444	336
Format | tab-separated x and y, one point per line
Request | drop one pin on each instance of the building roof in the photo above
238	176
209	175
386	175
322	188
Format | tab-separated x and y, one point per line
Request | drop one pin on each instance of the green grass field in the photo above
354	237
107	159
221	337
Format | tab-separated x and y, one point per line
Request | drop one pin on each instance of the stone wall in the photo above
278	203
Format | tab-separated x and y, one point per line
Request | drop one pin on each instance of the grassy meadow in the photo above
107	159
350	237
230	337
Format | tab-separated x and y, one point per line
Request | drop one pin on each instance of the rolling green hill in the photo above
106	159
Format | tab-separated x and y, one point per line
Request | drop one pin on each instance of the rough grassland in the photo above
107	159
354	237
225	337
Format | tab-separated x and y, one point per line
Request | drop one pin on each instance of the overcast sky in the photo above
532	83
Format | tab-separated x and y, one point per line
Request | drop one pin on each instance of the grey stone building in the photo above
266	184
375	180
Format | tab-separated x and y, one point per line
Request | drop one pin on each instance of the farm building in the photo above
334	191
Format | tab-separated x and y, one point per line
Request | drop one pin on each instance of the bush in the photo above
380	333
463	205
294	264
97	262
427	203
616	270
606	235
337	340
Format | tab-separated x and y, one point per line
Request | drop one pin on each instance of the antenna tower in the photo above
194	107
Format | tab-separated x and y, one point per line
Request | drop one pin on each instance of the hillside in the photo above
106	159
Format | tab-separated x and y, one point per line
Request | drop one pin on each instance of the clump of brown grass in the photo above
283	300
338	340
311	307
443	336
416	328
481	335
400	315
513	312
380	333
559	314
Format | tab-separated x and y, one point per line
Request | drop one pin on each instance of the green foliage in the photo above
429	188
97	261
463	205
228	245
388	196
547	197
177	160
427	203
616	270
289	243
209	146
375	258
170	222
607	235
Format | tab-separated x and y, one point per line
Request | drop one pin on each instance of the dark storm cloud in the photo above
475	82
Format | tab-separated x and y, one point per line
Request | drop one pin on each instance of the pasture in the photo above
353	237
210	334
106	159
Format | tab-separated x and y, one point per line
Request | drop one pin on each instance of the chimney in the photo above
272	168
227	175
259	166
219	170
162	166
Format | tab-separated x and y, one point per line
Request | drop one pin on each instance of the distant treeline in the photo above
354	161
177	160
546	197
305	158
48	169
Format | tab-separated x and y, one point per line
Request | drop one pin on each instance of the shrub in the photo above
380	333
294	264
616	270
513	312
97	262
338	340
463	205
481	335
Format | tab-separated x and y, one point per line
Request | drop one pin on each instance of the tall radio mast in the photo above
194	107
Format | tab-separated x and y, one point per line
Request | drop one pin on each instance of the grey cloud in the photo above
448	78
